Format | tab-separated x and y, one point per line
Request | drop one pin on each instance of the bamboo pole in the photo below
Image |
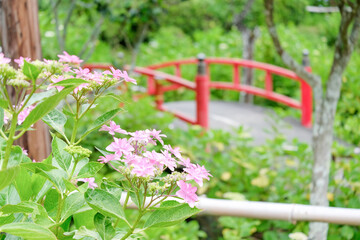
272	211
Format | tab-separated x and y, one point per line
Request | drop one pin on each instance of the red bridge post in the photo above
202	93
306	94
151	85
159	95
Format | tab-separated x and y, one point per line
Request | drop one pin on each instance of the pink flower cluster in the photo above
19	61
132	153
3	59
22	115
67	58
116	73
91	182
95	78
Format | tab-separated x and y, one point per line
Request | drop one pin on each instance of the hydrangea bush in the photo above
43	200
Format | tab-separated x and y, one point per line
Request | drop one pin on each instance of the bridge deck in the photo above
262	123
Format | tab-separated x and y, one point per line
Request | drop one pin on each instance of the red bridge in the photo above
203	84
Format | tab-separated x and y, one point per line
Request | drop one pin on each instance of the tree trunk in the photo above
21	37
322	144
325	106
249	37
322	141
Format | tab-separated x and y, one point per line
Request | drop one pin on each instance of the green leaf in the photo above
103	119
81	163
106	117
3	103
18	208
56	120
40	216
40	186
85	106
136	200
103	152
23	184
37	97
37	211
3	199
84	233
112	188
51	202
105	203
83	187
30	70
6	219
55	176
70	82
62	157
69	185
17	156
46	106
170	213
117	97
68	113
28	231
7	176
36	167
104	226
84	217
89	170
72	204
1	117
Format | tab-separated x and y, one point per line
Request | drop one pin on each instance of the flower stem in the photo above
3	135
10	141
73	135
73	170
77	120
126	199
58	214
131	230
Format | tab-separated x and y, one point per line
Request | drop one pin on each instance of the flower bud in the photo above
83	152
18	83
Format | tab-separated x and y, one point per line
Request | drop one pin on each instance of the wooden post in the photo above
21	37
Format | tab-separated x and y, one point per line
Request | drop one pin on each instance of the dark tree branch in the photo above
67	20
346	19
239	18
343	49
354	35
142	35
127	41
93	37
135	51
346	41
313	80
54	6
351	4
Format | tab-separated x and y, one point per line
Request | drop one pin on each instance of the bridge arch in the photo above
203	84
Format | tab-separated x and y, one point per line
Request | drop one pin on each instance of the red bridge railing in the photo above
203	84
